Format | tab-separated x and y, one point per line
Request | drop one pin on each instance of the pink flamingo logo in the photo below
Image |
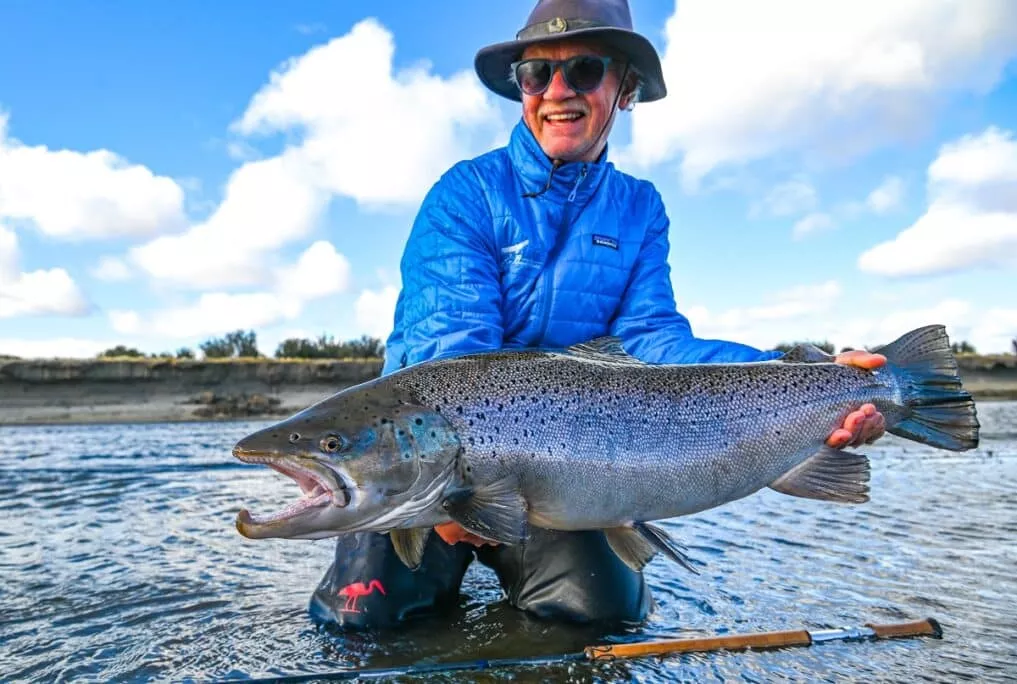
354	591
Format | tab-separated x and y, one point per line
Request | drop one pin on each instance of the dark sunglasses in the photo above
582	73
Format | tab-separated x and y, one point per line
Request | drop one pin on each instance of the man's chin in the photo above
565	152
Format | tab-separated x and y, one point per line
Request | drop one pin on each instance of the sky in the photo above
171	172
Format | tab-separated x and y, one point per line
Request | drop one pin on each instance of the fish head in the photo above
369	458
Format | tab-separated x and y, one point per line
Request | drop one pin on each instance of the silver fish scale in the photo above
665	435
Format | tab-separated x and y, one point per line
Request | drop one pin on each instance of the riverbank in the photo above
55	391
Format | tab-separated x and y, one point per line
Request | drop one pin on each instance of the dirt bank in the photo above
95	391
99	391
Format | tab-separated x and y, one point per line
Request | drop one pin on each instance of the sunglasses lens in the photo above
584	73
533	76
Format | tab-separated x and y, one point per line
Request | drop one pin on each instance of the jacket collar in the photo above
534	167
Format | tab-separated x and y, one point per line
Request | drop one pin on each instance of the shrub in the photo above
326	347
120	351
237	344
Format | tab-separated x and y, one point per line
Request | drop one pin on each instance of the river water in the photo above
120	562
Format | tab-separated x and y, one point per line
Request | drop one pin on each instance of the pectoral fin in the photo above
496	512
829	475
638	544
409	545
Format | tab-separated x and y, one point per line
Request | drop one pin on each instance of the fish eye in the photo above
294	437
331	444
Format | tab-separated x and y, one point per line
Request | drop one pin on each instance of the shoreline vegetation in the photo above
169	389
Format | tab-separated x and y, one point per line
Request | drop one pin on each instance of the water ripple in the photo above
121	563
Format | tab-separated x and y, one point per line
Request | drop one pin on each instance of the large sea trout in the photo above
591	438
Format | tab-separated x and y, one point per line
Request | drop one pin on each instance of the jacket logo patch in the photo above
516	251
605	241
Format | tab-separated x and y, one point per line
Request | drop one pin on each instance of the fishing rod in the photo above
611	652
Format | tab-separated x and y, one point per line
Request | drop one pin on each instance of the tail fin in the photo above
939	412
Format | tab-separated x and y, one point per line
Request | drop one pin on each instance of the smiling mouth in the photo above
321	486
563	117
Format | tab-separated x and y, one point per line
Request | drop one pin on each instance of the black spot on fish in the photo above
419	421
433	434
459	410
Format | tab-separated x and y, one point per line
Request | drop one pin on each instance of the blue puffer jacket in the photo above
486	268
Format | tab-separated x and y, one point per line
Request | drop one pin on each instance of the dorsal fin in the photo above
605	349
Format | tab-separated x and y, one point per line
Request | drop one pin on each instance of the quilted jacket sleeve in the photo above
647	321
450	301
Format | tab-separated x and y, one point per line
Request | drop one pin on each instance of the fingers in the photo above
450	532
860	359
839	439
453	533
863	426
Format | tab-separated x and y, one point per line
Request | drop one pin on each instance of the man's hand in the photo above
865	425
453	533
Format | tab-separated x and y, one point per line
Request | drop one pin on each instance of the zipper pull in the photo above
582	175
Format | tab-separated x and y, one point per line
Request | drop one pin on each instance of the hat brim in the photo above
493	62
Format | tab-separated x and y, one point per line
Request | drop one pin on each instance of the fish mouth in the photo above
322	486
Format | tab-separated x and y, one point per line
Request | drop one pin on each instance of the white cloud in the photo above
382	146
44	291
748	79
75	195
887	196
319	271
972	216
816	313
795	196
750	323
125	322
813	223
374	134
267	204
54	347
111	269
375	311
213	313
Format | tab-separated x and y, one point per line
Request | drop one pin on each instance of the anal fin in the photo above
409	545
496	512
828	475
638	544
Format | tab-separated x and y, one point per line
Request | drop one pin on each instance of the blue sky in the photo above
171	172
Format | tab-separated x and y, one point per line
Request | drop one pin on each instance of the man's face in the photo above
566	137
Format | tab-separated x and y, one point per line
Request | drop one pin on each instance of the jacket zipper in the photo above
559	243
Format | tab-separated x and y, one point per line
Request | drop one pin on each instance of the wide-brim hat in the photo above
606	21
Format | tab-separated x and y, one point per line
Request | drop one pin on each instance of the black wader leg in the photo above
368	586
572	576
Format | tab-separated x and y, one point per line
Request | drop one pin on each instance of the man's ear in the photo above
627	101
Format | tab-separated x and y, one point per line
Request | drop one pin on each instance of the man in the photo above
542	243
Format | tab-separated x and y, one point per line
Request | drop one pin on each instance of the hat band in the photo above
555	26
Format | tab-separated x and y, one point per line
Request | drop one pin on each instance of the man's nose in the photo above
558	89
